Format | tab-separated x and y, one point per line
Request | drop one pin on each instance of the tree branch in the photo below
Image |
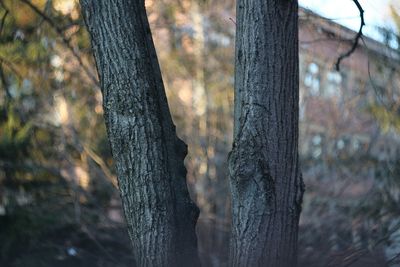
4	82
3	20
356	39
10	66
65	40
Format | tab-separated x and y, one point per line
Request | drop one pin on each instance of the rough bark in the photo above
266	182
148	155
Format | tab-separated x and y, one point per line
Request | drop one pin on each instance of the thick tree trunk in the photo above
266	182
148	155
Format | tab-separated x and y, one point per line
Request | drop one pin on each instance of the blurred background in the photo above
59	203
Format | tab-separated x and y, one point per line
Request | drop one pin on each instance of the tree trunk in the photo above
148	155
266	182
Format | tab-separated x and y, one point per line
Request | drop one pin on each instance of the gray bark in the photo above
148	155
266	182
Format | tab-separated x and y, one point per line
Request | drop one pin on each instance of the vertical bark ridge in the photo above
148	155
266	182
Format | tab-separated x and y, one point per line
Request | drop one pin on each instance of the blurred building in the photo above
349	138
337	107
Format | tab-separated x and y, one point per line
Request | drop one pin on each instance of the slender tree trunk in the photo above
266	182
148	155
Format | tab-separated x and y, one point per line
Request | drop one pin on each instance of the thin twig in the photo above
4	82
10	66
356	39
96	158
3	20
65	40
383	239
393	259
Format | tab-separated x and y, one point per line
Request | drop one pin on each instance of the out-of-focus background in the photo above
59	203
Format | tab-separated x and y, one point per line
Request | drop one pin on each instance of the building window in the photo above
334	83
311	79
316	146
340	144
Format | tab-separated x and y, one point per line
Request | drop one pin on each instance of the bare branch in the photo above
2	76
3	20
356	39
96	158
4	82
65	40
394	259
10	66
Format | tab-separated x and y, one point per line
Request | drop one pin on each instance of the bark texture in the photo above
266	182
148	155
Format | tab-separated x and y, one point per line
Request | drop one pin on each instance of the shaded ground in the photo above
36	236
73	246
